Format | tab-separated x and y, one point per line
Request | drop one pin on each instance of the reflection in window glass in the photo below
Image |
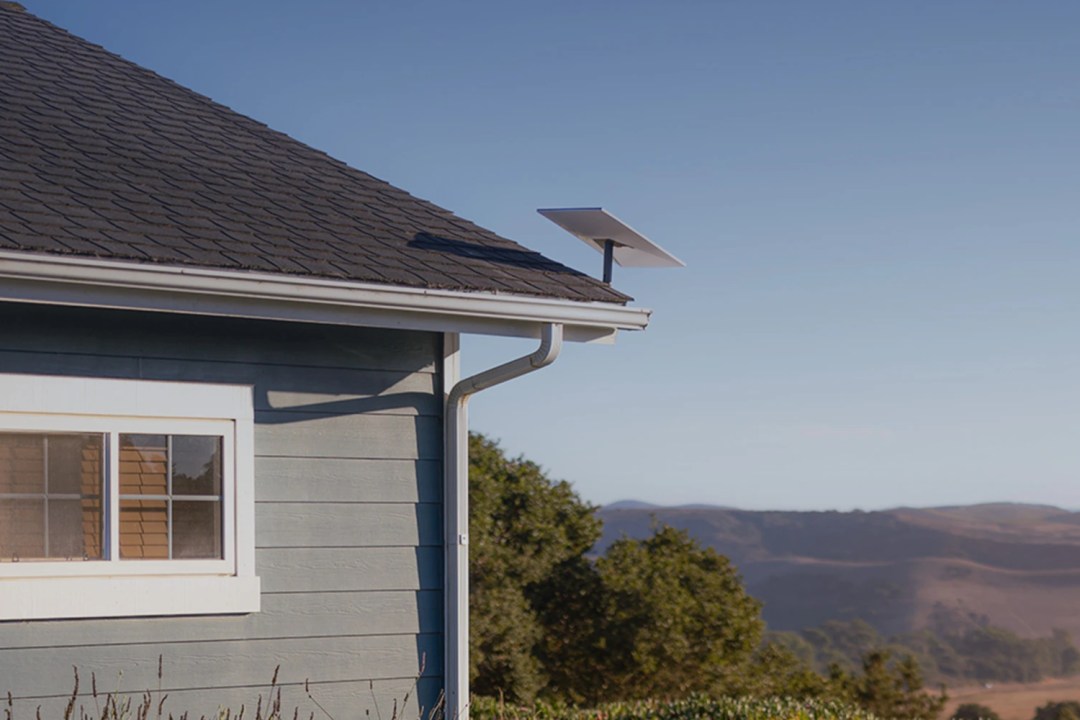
144	529
50	496
196	465
144	465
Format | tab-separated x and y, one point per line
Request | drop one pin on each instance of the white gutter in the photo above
456	500
55	279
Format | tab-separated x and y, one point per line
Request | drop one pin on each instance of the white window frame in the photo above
111	587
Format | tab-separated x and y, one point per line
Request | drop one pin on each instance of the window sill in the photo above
58	598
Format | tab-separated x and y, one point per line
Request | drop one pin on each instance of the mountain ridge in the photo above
1015	564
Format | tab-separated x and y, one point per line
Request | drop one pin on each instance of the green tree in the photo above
777	670
974	711
973	649
659	618
995	653
890	688
842	642
523	526
936	652
573	613
1066	710
676	618
792	641
1059	656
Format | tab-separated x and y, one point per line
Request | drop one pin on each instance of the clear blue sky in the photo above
879	205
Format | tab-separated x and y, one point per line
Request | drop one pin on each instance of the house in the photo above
231	422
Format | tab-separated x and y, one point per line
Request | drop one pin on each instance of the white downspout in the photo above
456	501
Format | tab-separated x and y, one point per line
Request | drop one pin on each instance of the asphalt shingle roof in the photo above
102	158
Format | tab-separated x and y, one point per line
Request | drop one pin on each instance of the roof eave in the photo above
63	280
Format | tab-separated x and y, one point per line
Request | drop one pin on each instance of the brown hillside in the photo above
1017	565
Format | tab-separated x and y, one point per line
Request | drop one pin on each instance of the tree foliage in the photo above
776	670
697	707
974	711
891	687
677	618
973	650
1065	710
521	527
661	618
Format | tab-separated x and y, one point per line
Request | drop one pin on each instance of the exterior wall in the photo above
348	517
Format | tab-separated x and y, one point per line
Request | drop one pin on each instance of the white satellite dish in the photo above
609	235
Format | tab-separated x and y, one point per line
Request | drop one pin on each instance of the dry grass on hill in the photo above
1014	701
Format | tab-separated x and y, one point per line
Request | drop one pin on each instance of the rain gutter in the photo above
62	280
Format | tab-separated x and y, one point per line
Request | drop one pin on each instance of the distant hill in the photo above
631	505
1016	565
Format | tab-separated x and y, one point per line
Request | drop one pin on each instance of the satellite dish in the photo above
609	235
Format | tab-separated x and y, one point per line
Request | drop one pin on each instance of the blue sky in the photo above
877	203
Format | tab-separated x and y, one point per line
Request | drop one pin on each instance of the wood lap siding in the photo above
348	515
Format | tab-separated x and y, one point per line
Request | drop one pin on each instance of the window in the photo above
125	497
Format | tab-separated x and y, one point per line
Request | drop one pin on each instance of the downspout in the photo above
456	500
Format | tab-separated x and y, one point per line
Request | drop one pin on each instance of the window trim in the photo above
125	588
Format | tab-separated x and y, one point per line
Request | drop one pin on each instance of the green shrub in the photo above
1067	710
974	711
695	708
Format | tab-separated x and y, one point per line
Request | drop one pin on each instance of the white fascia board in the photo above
61	280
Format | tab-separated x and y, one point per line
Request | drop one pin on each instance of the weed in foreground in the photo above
151	705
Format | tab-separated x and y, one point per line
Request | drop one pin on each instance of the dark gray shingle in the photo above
100	157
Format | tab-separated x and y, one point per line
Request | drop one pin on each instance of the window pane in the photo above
22	463
143	465
22	529
75	529
144	529
74	464
197	529
196	465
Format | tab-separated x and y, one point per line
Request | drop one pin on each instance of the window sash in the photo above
134	500
19	458
112	427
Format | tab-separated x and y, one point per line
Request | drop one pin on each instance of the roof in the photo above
101	158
